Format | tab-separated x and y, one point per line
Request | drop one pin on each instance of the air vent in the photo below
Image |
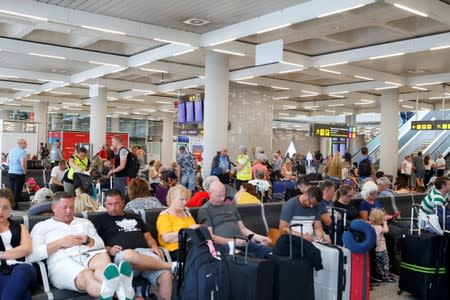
196	22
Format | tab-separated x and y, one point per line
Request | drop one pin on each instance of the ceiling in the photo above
145	54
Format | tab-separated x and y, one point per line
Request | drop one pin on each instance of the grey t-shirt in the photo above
294	213
418	162
222	218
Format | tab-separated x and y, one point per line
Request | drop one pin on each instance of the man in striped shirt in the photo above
427	215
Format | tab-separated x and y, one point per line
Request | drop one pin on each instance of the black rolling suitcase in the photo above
251	278
293	276
422	268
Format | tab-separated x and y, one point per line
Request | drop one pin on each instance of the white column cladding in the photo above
389	131
40	116
5	115
167	139
215	107
115	125
351	142
98	117
325	146
74	122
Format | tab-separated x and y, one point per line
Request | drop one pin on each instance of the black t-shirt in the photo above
352	211
126	231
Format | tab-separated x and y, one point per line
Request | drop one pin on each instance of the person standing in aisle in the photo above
419	167
187	164
440	166
55	154
121	176
244	167
17	161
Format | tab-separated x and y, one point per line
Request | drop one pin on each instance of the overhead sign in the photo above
334	131
430	125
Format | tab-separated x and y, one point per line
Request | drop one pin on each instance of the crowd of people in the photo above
102	257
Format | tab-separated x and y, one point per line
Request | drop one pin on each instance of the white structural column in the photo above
167	137
351	142
389	131
40	116
215	107
98	117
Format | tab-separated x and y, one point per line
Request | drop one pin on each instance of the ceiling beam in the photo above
436	10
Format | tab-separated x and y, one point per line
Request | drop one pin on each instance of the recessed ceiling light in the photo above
416	71
330	71
196	22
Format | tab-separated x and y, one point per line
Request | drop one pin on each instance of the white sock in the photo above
110	282
125	290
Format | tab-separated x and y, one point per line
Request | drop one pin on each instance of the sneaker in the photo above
125	290
110	283
389	279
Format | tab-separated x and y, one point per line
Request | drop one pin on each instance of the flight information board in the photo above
334	131
430	125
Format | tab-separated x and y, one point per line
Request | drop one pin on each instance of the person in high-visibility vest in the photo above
244	167
78	162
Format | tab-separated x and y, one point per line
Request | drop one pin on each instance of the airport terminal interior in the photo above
300	80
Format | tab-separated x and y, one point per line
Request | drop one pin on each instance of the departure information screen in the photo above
334	131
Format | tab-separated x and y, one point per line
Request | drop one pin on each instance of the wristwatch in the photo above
88	239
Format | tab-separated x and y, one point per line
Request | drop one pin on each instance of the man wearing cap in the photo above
42	203
17	161
224	223
187	164
384	187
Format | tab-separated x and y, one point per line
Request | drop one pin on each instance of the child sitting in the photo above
377	219
32	186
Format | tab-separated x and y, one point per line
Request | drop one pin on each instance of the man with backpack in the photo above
126	165
365	166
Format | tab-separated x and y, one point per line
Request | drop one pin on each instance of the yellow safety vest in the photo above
82	164
246	173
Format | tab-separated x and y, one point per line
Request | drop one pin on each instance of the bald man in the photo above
224	222
221	166
17	162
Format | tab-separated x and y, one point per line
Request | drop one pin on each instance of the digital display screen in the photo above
430	125
190	112
198	111
334	131
182	112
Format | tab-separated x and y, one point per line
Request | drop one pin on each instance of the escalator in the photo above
440	145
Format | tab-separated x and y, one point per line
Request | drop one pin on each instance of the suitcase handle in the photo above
247	240
290	239
335	221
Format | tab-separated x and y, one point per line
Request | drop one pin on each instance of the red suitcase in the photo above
360	285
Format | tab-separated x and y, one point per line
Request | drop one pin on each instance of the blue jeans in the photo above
120	184
16	182
188	180
15	286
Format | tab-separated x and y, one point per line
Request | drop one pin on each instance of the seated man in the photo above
42	203
76	258
127	238
56	177
302	185
428	218
303	210
384	187
224	222
326	205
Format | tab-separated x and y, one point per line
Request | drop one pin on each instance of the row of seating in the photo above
253	217
42	177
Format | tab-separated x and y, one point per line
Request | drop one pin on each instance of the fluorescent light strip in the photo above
386	88
407	106
228	52
336	105
291	64
309	92
330	71
336	96
393	83
428	83
387	55
190	86
340	11
104	30
362	77
135	100
438	97
71	103
274	28
343	92
308	95
23	15
411	10
330	111
102	63
291	71
8	76
419	88
46	55
247	83
51	80
25	90
279	87
222	42
61	93
163	102
283	114
289	107
143	91
280	98
313	107
183	52
172	42
153	70
362	103
440	47
334	64
31	100
365	100
244	78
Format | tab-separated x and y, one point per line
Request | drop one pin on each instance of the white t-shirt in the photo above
406	167
6	239
440	164
56	172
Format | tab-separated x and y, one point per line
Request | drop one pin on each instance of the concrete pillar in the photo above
216	107
57	121
351	144
75	122
5	115
389	131
40	116
98	117
324	146
167	137
115	124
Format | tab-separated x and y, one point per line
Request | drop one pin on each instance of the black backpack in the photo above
364	168
132	166
200	275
